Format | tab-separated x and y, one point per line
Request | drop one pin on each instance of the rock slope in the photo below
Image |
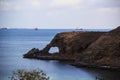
90	49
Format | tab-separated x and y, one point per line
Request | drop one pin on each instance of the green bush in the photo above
29	75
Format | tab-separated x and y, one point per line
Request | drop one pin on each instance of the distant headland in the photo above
3	28
83	49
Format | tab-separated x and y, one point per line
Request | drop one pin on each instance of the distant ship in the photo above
77	29
36	28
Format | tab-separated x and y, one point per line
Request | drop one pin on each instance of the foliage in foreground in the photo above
29	75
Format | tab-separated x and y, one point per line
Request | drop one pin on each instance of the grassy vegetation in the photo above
29	75
36	74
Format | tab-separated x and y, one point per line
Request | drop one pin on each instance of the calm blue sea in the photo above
16	42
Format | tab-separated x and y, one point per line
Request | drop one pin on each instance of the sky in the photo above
57	14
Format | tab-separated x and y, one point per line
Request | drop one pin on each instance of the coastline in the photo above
73	63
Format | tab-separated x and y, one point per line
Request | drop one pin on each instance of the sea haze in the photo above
16	42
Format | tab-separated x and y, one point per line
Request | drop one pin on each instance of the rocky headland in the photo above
84	49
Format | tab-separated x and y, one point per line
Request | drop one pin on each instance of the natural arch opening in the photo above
54	50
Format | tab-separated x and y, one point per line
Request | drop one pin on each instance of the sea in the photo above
16	42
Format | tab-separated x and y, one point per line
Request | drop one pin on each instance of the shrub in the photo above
29	75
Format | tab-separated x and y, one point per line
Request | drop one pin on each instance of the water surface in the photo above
16	42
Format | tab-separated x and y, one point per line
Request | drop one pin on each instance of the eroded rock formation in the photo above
92	49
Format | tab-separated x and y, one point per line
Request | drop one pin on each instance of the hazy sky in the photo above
60	13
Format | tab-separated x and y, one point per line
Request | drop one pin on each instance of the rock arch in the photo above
53	50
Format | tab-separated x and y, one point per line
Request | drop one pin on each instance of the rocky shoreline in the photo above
83	49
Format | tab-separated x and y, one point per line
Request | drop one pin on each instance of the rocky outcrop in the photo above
69	44
90	49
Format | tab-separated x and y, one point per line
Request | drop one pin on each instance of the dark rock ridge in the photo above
89	49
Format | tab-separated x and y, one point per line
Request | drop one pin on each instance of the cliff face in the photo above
94	49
